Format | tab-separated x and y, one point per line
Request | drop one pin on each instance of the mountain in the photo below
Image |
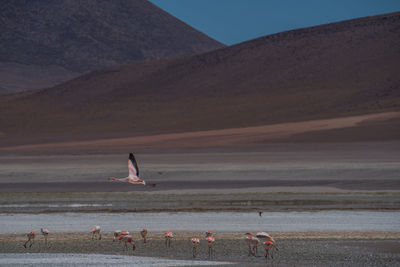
46	42
335	70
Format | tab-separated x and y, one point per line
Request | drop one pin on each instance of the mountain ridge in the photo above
334	70
82	36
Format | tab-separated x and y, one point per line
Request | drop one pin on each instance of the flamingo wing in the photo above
132	165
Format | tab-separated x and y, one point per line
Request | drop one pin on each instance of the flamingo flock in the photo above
124	236
252	240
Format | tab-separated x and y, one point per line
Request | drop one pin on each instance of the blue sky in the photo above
235	21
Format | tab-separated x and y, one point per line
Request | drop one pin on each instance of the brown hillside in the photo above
335	70
45	42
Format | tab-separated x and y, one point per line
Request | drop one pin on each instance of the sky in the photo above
235	21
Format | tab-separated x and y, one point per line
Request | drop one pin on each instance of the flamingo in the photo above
268	245
252	243
264	236
119	233
128	239
143	233
96	231
209	233
168	236
195	244
31	238
133	177
45	234
210	242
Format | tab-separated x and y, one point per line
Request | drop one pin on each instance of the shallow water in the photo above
63	259
345	221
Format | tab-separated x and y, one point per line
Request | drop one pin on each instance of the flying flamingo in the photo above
210	242
128	239
168	237
252	243
96	232
143	233
195	244
31	238
133	177
45	233
119	233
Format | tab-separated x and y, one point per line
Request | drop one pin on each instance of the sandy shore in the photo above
294	249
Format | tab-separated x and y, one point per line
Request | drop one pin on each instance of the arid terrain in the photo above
322	72
46	43
303	125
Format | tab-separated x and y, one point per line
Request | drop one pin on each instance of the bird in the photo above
128	239
195	244
143	233
133	177
264	236
96	232
210	243
267	246
209	233
168	237
45	234
252	243
31	239
119	233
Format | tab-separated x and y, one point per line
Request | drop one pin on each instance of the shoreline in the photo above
292	251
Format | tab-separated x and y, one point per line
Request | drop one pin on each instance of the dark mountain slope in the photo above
328	71
77	36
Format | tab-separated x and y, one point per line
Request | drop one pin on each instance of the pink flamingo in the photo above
252	243
209	233
45	234
143	233
96	232
168	237
268	245
31	238
264	236
128	239
195	244
210	243
133	177
119	233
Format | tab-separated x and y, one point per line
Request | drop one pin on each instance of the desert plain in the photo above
325	203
